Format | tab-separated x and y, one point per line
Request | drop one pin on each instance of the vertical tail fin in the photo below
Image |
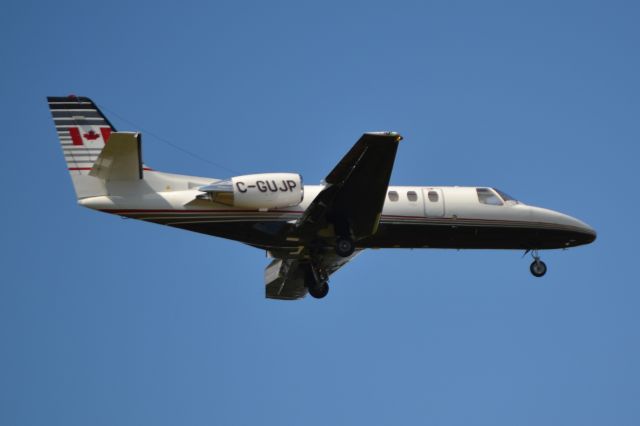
83	131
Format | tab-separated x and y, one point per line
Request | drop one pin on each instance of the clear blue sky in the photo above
105	321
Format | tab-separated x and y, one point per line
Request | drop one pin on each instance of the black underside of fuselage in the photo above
268	235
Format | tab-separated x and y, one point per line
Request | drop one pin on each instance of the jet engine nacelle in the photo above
258	191
267	190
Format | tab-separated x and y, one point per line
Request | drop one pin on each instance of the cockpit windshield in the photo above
505	196
488	196
494	197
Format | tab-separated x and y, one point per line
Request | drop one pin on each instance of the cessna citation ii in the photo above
309	231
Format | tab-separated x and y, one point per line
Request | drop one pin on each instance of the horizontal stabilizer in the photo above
120	158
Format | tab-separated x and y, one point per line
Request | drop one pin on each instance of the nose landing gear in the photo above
538	268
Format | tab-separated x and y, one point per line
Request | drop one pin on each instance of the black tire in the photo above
318	292
538	268
344	247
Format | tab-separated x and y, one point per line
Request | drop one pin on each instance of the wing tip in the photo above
397	137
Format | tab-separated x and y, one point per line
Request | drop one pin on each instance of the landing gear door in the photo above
433	202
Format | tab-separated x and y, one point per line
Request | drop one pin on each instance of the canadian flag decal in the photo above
91	137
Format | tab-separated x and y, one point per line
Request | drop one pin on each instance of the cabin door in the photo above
433	202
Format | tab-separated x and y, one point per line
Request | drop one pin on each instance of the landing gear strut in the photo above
316	281
538	268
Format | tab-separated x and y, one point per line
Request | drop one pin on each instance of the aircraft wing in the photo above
355	189
285	276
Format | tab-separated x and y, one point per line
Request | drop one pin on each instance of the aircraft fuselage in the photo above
412	217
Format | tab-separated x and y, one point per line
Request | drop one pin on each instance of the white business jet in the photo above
309	231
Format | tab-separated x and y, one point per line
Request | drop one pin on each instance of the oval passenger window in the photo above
433	196
393	196
412	196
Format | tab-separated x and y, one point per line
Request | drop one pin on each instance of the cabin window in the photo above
487	196
412	196
393	196
433	196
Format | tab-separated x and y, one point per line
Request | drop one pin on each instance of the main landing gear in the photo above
319	291
317	281
538	268
344	246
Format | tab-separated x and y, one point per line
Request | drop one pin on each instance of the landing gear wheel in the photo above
344	247
319	291
538	268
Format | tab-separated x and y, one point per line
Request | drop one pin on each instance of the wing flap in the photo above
284	280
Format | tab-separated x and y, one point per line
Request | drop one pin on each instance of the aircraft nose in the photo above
586	232
580	232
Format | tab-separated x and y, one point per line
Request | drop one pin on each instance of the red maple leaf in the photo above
91	135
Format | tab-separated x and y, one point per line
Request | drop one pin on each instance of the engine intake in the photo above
258	191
